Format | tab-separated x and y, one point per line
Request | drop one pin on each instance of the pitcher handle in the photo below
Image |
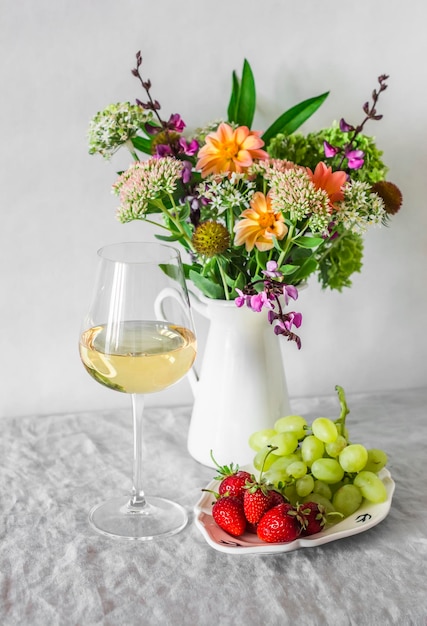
170	292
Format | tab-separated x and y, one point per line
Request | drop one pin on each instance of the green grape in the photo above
260	438
372	487
316	497
327	470
297	469
353	458
281	463
322	489
311	449
286	443
347	499
291	424
260	459
276	472
291	495
335	447
335	486
324	429
377	459
274	477
304	485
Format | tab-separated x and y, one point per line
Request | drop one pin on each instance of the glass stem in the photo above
138	499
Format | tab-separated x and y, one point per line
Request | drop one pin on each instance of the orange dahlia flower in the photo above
259	224
331	182
230	150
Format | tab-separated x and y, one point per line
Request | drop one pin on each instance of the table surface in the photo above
54	569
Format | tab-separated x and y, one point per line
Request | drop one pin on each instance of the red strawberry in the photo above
280	524
255	503
228	513
234	484
259	496
313	517
276	498
232	479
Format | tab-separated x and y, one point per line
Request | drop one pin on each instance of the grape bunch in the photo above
318	463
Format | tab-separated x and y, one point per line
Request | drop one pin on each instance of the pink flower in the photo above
355	159
330	151
290	291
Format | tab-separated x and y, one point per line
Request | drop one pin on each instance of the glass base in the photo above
156	518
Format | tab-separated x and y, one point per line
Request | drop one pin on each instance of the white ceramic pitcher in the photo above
241	387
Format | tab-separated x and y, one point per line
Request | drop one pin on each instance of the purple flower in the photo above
289	291
344	127
163	150
186	172
272	271
241	299
271	316
330	151
189	149
355	159
152	129
280	329
285	323
257	301
176	123
293	319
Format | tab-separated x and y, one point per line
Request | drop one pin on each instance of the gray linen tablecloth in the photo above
55	570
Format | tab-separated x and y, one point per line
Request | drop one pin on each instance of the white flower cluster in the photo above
293	193
227	192
144	182
360	208
114	126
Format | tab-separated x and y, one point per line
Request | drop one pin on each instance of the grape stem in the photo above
340	422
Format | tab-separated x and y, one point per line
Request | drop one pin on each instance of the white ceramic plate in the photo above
367	516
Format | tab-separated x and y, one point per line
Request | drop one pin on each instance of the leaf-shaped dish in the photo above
367	516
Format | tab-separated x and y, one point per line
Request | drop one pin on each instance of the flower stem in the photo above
223	278
129	146
159	204
289	242
333	243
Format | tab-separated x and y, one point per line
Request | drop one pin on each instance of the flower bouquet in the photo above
257	213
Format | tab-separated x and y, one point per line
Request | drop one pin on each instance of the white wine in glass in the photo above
130	343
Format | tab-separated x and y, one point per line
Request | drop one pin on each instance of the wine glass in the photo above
129	343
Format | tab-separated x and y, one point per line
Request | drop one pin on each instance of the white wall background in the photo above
62	60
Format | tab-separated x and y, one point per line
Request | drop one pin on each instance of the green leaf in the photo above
170	270
305	270
241	108
206	286
309	242
187	269
232	106
175	237
141	144
292	119
289	269
240	281
300	254
247	97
